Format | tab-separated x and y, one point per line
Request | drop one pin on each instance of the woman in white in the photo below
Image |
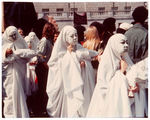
110	97
15	55
32	42
69	86
138	74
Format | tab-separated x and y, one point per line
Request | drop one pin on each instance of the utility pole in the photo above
85	7
68	10
113	8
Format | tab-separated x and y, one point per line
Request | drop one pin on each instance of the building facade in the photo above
96	11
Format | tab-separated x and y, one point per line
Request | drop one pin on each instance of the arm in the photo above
42	47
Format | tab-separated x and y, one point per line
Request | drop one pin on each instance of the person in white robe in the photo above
32	42
110	97
15	55
71	77
138	74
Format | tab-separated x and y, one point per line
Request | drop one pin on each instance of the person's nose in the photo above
14	37
75	38
126	46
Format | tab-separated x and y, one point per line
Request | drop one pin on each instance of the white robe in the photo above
110	97
69	87
78	82
14	84
32	40
14	76
139	74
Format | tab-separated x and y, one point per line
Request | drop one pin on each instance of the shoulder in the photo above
43	39
136	30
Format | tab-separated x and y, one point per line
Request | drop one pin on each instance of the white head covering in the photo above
27	39
60	47
125	26
110	59
19	43
33	36
33	40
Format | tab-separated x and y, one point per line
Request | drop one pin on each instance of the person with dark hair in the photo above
38	27
44	49
80	31
20	31
138	48
109	28
99	27
56	36
138	35
123	27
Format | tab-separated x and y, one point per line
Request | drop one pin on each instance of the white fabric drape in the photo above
15	86
139	74
32	40
110	97
69	87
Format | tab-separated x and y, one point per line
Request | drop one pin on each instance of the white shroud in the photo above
69	87
14	82
110	97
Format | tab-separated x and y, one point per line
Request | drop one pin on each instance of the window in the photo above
101	10
127	9
74	9
114	9
45	11
59	11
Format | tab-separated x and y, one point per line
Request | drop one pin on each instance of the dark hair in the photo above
80	31
38	27
48	31
120	30
140	14
99	27
109	24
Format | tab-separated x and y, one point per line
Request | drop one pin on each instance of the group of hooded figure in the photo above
71	87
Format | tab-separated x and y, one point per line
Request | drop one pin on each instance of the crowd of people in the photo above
98	71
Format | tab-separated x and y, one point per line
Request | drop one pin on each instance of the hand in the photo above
135	89
95	58
9	51
99	58
123	66
82	64
29	46
70	48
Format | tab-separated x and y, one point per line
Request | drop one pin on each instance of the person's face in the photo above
55	37
20	32
72	38
32	36
122	46
12	36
